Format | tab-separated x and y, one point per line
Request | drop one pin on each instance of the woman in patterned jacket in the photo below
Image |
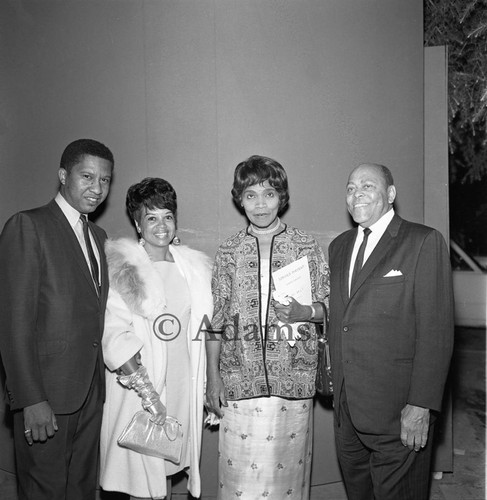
260	372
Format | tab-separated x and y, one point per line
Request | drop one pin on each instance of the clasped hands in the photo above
289	310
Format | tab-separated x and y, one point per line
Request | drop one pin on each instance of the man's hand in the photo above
414	426
215	394
39	422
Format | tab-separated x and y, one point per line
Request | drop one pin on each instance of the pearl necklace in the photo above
269	230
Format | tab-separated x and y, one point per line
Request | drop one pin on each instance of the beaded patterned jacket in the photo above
254	364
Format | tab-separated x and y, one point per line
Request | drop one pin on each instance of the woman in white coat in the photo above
159	297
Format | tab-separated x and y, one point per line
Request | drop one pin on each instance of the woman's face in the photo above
157	226
261	204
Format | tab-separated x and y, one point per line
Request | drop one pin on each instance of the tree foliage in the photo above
461	25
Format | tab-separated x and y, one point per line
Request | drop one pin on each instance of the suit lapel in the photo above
378	253
345	264
69	238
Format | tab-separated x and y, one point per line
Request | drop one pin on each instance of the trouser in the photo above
64	467
380	467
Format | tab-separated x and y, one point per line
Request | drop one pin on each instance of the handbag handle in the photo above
171	428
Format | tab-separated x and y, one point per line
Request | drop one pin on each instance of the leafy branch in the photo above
462	26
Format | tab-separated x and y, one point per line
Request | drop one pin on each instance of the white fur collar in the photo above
131	274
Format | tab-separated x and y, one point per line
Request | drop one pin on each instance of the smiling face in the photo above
261	204
368	196
158	227
85	185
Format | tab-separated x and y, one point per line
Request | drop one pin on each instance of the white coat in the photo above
136	298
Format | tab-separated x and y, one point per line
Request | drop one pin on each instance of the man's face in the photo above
368	197
87	184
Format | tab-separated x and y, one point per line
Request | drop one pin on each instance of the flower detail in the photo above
265	494
283	408
293	435
270	438
289	492
243	436
253	466
280	466
258	409
238	493
221	485
229	462
225	429
300	461
235	405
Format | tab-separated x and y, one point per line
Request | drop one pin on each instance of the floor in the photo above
467	482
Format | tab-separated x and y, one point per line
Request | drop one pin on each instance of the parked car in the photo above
469	287
482	260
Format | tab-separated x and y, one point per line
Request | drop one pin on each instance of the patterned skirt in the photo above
265	449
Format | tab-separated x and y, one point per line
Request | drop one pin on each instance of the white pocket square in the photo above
393	272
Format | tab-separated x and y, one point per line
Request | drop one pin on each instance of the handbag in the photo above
144	436
324	382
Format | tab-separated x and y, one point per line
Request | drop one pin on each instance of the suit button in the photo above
95	344
345	328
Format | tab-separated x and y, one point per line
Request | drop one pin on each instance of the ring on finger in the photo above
27	431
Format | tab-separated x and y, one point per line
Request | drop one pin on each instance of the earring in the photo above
176	240
141	241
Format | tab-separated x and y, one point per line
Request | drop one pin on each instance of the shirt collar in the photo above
69	212
380	226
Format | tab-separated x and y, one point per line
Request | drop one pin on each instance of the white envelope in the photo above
393	272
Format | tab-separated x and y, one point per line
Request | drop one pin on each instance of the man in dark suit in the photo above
391	338
52	303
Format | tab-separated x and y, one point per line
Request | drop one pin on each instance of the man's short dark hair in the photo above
76	150
387	175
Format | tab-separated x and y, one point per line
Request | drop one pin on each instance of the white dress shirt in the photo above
73	217
377	230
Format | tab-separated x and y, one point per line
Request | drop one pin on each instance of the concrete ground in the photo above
466	482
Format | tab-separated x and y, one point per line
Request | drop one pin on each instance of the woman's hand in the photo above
215	394
292	312
158	412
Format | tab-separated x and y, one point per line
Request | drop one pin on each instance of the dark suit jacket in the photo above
391	340
51	317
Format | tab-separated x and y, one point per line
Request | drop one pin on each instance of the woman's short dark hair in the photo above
256	170
151	193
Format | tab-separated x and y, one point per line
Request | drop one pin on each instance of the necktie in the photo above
359	261
91	253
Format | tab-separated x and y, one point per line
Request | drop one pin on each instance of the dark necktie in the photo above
359	261
91	253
